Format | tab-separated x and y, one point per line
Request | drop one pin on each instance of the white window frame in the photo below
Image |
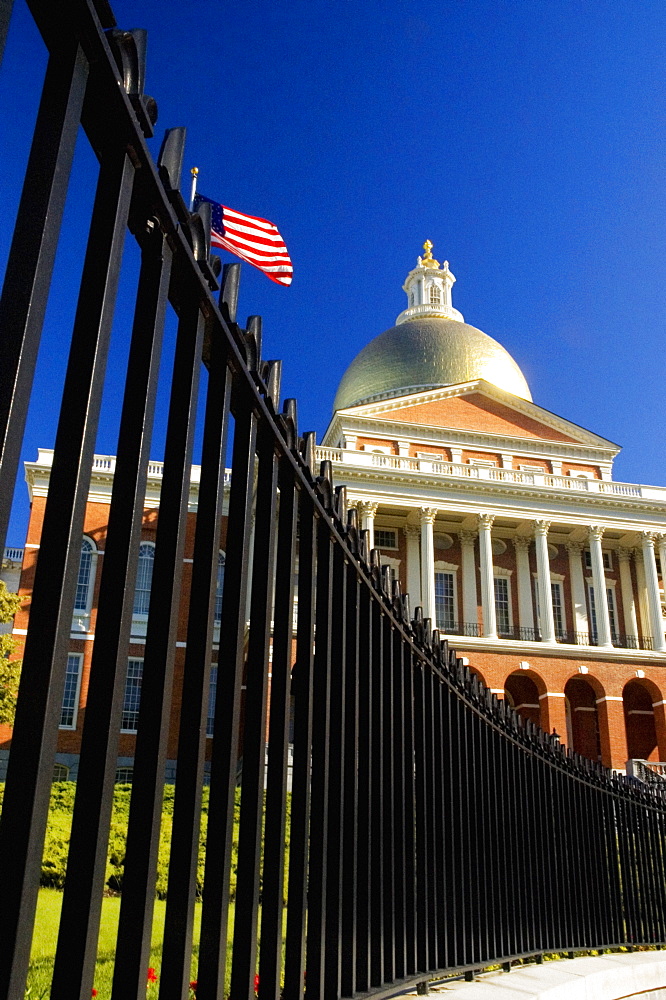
445	567
434	294
81	616
219	590
77	691
131	659
394	532
212	696
559	629
606	555
612	611
140	619
499	573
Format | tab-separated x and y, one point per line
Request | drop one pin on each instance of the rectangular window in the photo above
385	539
606	555
610	599
502	606
212	692
70	698
132	699
445	613
558	610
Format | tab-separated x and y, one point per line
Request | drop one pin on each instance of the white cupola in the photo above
428	289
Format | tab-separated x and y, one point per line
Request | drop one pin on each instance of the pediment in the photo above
480	408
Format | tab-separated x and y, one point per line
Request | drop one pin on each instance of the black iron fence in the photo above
431	829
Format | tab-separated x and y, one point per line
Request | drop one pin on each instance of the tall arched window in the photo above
86	577
435	295
144	578
219	588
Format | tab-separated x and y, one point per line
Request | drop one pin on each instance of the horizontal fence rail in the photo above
431	829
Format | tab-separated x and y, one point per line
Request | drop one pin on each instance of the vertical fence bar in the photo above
364	916
336	777
82	898
181	893
272	896
33	249
28	782
376	800
410	810
398	804
351	778
231	660
243	968
136	908
388	845
302	685
315	986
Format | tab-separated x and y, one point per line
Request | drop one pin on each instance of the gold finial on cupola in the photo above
428	260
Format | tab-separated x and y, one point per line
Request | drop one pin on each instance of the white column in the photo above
470	615
652	587
599	584
578	603
428	515
368	510
485	522
628	603
546	620
525	611
412	534
661	543
642	593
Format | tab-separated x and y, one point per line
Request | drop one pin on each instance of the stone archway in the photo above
522	692
639	717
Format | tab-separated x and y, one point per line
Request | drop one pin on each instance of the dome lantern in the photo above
428	289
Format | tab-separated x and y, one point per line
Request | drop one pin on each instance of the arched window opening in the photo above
60	772
639	722
522	694
435	295
85	579
144	578
582	718
124	775
219	588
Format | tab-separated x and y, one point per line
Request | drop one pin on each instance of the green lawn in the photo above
46	936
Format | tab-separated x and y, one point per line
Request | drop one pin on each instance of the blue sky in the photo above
526	140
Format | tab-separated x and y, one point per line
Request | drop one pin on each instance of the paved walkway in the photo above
608	977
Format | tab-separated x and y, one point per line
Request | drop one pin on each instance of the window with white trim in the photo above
435	295
70	697
502	604
144	579
606	556
212	693
132	697
445	600
124	775
60	772
385	539
86	577
558	608
219	587
612	615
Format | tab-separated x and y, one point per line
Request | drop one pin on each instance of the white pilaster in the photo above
368	510
599	583
485	522
469	598
578	604
428	515
652	587
456	456
525	611
412	535
628	603
546	619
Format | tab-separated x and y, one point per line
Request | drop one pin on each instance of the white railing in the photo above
348	456
13	555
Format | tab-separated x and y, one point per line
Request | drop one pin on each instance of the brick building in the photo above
501	519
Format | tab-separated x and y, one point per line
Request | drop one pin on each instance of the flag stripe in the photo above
253	239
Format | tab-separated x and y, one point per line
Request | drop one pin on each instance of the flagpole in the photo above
195	173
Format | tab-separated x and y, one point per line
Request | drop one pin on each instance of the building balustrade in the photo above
349	456
518	633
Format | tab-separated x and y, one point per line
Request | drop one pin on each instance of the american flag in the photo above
255	240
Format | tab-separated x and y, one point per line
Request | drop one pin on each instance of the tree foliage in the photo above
10	670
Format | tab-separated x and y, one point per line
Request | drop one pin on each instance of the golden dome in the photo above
427	353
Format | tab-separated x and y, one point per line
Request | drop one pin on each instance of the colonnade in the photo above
420	579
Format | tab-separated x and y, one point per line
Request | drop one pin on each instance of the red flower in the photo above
256	983
193	985
152	975
93	992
